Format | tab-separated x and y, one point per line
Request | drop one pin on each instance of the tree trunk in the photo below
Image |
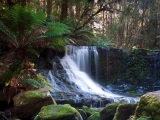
23	2
64	7
77	10
28	2
43	4
72	10
49	7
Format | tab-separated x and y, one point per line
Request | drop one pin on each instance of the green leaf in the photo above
34	83
34	52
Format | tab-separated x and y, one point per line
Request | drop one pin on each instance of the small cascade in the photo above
80	56
76	63
74	83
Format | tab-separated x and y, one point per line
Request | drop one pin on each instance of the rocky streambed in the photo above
40	105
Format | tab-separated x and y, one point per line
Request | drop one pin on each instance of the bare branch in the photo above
103	7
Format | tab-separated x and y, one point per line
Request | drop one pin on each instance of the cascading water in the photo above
77	66
75	63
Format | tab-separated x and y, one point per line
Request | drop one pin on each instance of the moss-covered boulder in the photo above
83	114
58	112
124	111
89	111
149	106
108	112
29	103
94	116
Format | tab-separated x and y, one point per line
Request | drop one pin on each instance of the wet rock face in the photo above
132	73
109	64
78	100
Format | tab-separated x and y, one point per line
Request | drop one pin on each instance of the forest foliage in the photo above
123	24
25	31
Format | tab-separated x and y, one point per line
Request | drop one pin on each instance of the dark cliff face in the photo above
109	65
129	72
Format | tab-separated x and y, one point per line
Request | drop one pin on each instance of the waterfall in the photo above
76	62
71	78
80	55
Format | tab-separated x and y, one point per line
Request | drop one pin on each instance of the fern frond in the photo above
57	29
40	18
33	52
44	80
34	83
7	34
84	32
59	43
71	23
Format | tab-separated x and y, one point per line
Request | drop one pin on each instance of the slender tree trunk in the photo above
72	10
23	2
28	2
64	7
103	26
44	5
77	10
49	7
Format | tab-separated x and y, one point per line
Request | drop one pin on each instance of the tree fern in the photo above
25	32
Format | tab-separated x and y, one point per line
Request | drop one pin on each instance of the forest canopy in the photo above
124	24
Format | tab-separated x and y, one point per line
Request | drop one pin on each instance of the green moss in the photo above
144	118
124	111
108	112
83	114
89	111
58	112
149	106
95	116
31	95
136	66
111	107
